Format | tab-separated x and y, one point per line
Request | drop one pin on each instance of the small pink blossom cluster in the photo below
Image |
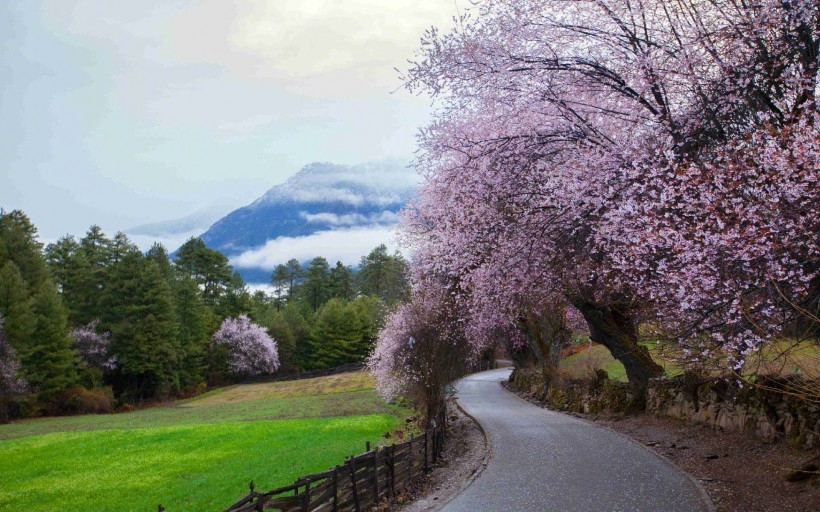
251	350
10	379
92	347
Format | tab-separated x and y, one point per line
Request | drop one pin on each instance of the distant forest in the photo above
93	324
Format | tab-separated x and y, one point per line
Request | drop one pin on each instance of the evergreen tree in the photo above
193	319
16	306
280	329
340	335
70	272
209	268
383	275
340	282
159	255
119	246
143	328
315	288
19	244
295	274
48	359
95	251
235	299
280	279
299	319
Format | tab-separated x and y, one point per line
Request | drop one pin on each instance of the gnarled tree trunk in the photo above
615	329
547	335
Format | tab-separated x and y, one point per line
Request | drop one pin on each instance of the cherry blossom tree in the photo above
251	351
561	129
92	347
421	349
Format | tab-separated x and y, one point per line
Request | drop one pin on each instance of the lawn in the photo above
197	454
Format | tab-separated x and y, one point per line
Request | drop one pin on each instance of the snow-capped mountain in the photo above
325	209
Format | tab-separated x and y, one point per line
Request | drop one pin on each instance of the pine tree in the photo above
49	361
95	251
383	275
315	289
280	280
16	306
340	282
295	275
209	268
143	329
193	319
18	243
339	335
69	269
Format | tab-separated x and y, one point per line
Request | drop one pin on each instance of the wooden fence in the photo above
359	484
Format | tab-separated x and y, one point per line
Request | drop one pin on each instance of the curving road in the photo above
546	461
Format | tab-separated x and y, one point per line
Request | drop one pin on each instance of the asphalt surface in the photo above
546	461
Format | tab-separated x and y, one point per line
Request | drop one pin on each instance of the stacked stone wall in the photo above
769	408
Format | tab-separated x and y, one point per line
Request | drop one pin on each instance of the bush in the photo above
79	400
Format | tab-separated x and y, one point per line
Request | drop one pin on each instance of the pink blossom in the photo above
251	350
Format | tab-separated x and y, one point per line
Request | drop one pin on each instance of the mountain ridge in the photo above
321	197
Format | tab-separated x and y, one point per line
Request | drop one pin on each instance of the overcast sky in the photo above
130	112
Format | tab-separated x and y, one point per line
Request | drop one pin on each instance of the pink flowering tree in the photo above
12	383
92	346
94	352
250	349
562	132
421	349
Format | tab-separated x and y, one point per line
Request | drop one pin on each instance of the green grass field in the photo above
191	455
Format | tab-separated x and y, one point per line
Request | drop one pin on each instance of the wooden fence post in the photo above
335	488
352	464
376	476
391	465
306	497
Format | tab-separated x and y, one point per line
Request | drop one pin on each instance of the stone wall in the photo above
766	410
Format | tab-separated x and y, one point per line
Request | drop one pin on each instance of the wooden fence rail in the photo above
358	484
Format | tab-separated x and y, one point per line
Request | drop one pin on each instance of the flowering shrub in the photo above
92	347
251	351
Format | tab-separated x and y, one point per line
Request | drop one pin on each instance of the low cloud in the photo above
345	245
353	219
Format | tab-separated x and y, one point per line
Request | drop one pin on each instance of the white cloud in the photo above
345	245
323	48
353	219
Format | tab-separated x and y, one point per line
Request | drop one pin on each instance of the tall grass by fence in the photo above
358	484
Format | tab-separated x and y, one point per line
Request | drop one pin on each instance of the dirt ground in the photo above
465	456
741	473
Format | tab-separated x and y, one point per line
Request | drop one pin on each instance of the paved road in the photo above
546	461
